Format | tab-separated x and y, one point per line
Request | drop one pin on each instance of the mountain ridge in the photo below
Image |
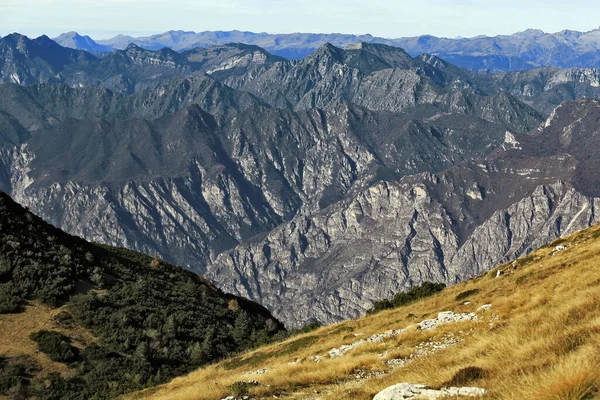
490	53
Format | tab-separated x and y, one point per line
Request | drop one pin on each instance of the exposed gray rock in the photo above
377	338
415	391
335	263
445	317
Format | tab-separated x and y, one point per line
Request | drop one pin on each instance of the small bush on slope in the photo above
426	289
55	345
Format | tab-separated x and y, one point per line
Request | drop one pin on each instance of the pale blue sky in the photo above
387	18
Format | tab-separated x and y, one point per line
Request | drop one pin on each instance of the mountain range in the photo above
520	51
313	186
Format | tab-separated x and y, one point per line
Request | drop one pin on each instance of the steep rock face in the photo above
189	186
546	88
444	227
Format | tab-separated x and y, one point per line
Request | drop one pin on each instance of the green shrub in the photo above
311	327
9	303
381	305
55	345
426	289
241	388
15	376
466	294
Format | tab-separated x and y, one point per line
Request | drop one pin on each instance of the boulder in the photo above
415	391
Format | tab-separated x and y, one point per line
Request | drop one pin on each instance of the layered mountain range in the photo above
314	187
520	51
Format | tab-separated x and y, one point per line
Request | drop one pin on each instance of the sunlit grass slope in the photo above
539	340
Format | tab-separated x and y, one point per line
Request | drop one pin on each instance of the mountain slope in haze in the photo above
528	329
546	88
26	61
76	41
444	227
376	76
520	51
379	77
190	185
118	320
42	105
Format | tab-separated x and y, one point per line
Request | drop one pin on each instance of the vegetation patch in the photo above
55	345
403	298
242	388
466	294
525	260
465	377
9	302
296	345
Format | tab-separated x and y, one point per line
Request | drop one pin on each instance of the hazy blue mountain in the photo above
74	40
27	61
520	51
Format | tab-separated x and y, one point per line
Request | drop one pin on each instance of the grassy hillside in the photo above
539	339
81	321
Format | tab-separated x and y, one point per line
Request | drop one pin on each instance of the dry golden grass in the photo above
540	340
16	328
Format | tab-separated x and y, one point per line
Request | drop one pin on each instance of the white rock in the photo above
413	391
471	391
399	391
485	307
445	316
499	273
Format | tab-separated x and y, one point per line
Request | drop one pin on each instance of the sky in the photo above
385	18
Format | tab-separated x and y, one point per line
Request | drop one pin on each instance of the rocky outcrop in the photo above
414	391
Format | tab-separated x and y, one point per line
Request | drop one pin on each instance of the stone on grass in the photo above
413	391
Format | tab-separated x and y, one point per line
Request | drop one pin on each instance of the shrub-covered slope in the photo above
125	320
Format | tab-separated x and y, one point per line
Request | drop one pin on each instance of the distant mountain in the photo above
224	177
74	40
523	50
216	158
27	61
388	78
